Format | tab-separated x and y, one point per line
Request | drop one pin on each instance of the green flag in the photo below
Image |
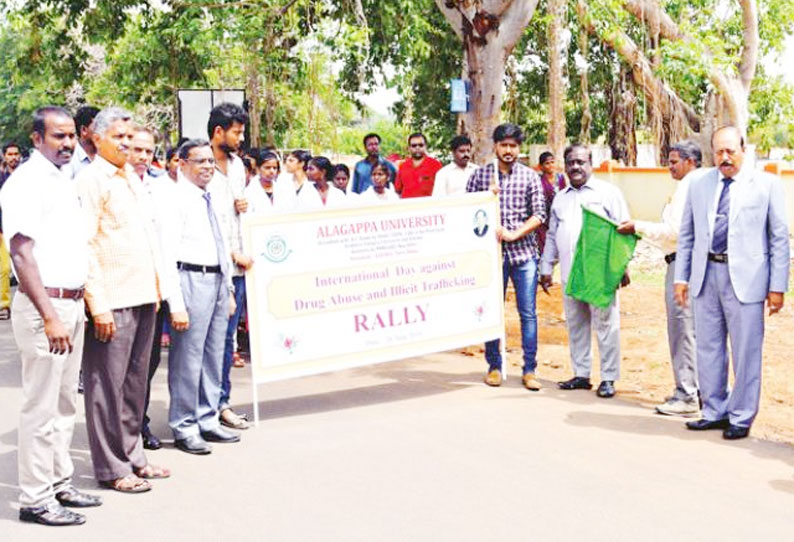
600	261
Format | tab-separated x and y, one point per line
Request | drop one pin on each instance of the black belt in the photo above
719	258
200	268
669	258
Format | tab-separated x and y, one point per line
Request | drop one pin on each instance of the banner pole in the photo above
256	401
503	341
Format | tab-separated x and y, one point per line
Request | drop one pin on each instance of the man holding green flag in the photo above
565	226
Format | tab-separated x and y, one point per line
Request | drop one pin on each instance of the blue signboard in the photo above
459	102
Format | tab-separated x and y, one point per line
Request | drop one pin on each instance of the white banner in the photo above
348	287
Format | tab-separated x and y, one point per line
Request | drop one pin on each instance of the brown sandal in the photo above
152	472
128	484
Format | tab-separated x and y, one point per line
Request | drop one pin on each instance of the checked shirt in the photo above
521	197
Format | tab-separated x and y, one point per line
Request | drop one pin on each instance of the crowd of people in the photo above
111	251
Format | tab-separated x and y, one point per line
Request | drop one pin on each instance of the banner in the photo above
342	288
601	257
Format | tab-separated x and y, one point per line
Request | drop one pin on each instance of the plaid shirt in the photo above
520	198
124	265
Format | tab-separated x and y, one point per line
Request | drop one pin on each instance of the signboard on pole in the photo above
343	288
459	96
195	106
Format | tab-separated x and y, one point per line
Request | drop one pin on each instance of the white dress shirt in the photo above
287	199
79	160
334	198
665	233
225	188
40	202
370	196
164	197
451	179
259	203
190	236
565	222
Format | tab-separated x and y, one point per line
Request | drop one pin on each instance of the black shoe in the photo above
220	435
150	442
704	424
735	432
76	499
193	444
606	389
53	515
576	383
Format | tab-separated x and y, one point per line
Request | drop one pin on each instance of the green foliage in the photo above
414	39
309	59
36	68
771	114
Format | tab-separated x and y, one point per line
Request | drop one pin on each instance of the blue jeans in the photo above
525	282
228	352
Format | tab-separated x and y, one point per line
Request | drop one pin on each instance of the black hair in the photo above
225	115
458	141
324	164
545	155
169	154
303	156
508	131
342	167
189	145
41	114
11	144
570	148
370	136
382	166
84	117
264	156
417	134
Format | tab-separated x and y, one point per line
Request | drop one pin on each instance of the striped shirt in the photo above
124	260
520	198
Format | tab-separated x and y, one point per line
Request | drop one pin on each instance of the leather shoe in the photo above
494	378
576	383
704	424
76	499
735	432
193	444
220	435
531	382
53	515
150	442
606	389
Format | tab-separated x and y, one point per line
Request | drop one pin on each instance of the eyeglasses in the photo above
202	161
417	145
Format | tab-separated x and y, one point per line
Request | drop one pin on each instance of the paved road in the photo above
421	450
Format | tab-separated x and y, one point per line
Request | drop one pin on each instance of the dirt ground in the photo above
646	376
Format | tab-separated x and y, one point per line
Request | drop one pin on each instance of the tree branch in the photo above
749	59
655	90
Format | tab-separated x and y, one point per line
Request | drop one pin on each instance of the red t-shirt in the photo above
415	182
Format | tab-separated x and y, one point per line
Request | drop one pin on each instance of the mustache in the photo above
726	163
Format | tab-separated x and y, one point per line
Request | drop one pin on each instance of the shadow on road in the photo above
407	384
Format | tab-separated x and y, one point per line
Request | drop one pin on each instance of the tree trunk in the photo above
489	30
730	105
254	109
584	87
558	47
677	119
